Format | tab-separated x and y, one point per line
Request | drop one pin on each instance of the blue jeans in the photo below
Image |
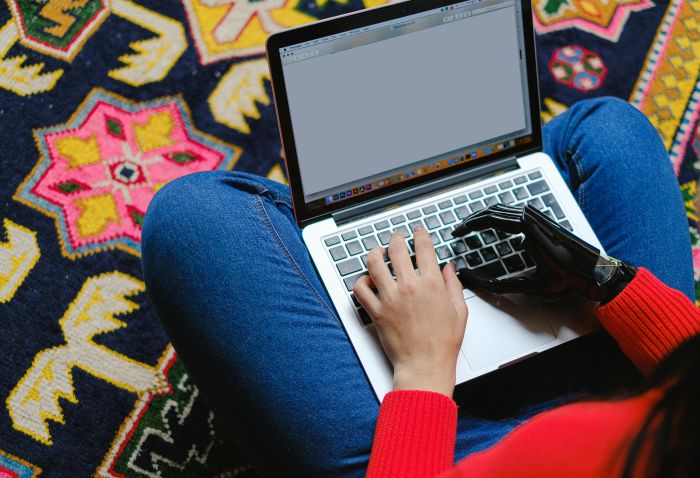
231	279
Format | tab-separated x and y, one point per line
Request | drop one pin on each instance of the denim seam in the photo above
290	258
579	170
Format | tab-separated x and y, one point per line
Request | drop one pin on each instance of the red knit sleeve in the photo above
649	319
415	435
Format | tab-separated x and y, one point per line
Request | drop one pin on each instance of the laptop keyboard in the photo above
487	252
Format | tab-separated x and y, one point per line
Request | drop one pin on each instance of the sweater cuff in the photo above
649	320
415	435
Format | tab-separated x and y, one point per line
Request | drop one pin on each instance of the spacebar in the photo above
492	270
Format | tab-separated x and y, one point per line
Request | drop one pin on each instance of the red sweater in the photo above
416	430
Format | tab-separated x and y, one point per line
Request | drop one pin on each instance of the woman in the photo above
231	280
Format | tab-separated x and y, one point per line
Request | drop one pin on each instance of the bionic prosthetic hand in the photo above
563	262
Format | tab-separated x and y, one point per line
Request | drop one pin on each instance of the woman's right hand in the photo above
420	317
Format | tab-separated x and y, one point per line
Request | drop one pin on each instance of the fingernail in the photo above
418	227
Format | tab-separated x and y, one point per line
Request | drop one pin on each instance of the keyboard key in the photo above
338	253
503	249
364	316
521	193
566	225
348	235
473	241
476	194
459	247
549	214
517	243
520	180
354	248
552	203
460	263
491	189
558	213
403	230
370	242
489	253
350	266
460	199
398	219
384	237
355	300
502	235
411	246
332	241
364	230
462	212
447	217
490	201
535	175
506	198
505	185
445	204
432	222
488	237
446	234
429	209
364	259
473	259
414	224
434	237
491	270
536	203
381	225
514	263
476	206
350	281
548	199
413	214
443	252
538	188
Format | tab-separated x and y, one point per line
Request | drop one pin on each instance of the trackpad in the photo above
503	328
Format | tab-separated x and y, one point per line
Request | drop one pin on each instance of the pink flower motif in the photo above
99	171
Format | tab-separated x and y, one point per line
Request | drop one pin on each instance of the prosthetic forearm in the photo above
563	262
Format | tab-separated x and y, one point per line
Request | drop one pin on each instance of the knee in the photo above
611	113
184	213
173	205
613	116
626	135
186	205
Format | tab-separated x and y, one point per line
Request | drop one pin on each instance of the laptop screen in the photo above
395	101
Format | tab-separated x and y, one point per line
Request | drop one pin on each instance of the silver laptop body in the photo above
423	112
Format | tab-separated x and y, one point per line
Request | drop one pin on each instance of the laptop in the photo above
423	112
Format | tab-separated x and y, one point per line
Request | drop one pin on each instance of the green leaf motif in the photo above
70	187
552	7
183	157
115	127
137	217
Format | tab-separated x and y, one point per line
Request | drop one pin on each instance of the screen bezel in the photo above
362	18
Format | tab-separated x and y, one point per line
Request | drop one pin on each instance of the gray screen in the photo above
364	111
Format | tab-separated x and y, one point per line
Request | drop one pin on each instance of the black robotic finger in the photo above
500	217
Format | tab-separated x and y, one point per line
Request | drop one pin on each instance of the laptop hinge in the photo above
401	197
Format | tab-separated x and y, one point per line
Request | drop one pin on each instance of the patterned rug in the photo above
102	102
